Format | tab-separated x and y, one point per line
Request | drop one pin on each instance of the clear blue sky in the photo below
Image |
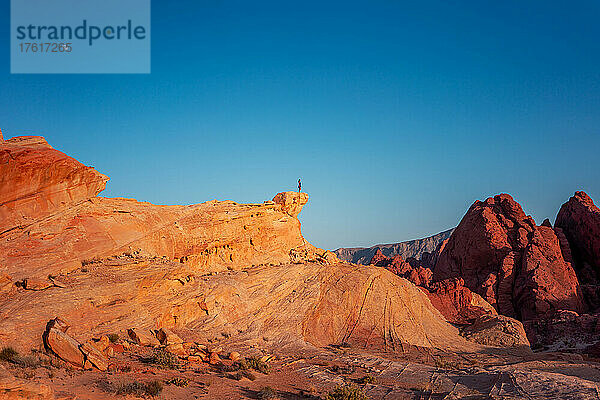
397	115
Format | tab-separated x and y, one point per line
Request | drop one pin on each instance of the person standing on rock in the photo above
299	185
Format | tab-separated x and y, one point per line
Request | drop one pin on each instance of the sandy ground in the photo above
415	374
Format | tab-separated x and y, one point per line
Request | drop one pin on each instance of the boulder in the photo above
513	264
142	337
94	356
36	284
176	348
214	358
116	348
196	359
166	337
61	344
234	356
101	343
497	331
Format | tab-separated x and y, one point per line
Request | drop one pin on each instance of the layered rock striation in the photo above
107	265
37	181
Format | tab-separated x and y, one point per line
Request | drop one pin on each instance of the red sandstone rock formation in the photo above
418	275
456	302
515	265
579	220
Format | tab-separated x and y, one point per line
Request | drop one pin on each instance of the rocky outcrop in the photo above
280	306
565	331
205	271
456	302
513	264
290	203
37	181
67	225
417	274
579	220
424	250
497	331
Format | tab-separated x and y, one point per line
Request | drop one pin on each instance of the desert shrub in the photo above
228	368
248	375
256	364
181	382
242	374
89	261
446	364
113	337
367	379
346	392
267	393
152	388
236	376
164	359
345	369
136	388
125	368
29	362
9	354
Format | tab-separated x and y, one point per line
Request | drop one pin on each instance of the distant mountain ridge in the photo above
410	248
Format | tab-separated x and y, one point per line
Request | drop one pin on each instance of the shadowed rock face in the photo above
579	219
515	265
456	302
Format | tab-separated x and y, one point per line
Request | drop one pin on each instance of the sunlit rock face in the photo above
106	265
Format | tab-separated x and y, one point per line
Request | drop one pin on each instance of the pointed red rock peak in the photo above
515	265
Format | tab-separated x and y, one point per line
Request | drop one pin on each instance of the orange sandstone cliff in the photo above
105	265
